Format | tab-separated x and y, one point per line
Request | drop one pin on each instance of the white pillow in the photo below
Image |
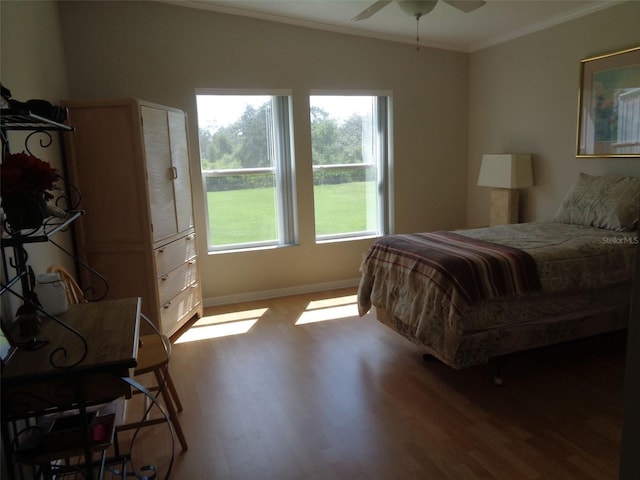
609	202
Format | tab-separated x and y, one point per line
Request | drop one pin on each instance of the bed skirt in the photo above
498	328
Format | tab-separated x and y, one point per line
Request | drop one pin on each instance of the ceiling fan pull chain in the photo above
418	32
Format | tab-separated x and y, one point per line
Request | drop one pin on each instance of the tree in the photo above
252	137
242	144
246	143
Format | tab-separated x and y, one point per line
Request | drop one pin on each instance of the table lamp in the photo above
506	173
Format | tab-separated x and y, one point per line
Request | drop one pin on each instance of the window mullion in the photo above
284	172
382	147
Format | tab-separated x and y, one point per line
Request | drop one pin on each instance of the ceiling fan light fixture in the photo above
417	8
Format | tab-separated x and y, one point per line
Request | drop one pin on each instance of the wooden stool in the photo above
153	357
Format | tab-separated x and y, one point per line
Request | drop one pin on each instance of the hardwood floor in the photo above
347	398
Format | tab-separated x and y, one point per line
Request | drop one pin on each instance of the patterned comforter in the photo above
462	270
547	269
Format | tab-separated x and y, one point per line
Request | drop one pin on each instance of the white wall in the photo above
523	98
162	53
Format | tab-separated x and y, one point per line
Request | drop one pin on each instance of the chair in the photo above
153	357
154	353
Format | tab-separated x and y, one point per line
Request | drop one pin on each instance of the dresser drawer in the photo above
172	283
172	254
179	308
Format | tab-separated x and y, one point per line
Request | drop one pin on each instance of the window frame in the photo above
383	161
282	170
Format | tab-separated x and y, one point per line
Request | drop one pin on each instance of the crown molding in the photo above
204	5
424	42
548	23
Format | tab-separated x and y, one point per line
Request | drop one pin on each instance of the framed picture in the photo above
609	110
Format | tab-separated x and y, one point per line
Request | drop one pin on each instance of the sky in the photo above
216	111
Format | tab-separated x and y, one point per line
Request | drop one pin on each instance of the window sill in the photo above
247	248
347	239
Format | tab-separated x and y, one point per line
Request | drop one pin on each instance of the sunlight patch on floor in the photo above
329	309
222	325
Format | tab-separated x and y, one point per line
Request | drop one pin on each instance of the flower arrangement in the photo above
24	173
26	183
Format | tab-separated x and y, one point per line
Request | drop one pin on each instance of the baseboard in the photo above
279	292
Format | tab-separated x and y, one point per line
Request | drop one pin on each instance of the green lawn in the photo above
242	216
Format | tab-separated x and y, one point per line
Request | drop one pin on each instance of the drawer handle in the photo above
164	278
166	305
189	237
161	250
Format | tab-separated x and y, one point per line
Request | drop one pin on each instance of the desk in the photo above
32	386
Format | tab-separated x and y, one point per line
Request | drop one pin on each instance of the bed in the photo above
468	296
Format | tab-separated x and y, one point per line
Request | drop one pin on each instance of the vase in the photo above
24	210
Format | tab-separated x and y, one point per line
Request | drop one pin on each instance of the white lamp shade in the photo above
506	170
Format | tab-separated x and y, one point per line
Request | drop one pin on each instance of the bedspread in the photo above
462	270
569	259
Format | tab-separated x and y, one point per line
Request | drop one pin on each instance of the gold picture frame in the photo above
609	105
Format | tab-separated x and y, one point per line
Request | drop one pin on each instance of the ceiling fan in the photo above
418	8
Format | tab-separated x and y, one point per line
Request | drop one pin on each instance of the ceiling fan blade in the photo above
465	6
373	8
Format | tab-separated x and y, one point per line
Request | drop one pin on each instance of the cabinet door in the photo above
159	172
181	176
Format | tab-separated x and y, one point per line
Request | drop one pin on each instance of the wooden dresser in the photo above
130	161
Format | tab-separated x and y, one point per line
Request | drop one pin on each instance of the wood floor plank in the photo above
347	398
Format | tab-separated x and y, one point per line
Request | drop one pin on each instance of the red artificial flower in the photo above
21	172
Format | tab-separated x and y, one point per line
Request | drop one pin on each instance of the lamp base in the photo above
504	206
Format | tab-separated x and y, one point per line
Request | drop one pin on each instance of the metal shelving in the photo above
12	119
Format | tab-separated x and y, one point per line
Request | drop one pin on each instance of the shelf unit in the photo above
23	120
17	120
45	442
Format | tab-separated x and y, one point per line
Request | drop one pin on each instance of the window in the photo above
246	164
351	165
